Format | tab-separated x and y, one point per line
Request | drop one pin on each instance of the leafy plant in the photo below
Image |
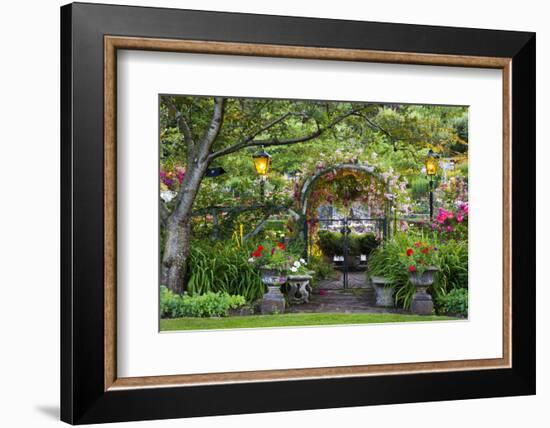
454	302
205	305
223	267
453	266
451	260
386	261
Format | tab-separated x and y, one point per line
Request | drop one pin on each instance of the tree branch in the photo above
251	142
182	123
375	125
213	129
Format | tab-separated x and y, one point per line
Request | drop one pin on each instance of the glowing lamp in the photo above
262	161
431	163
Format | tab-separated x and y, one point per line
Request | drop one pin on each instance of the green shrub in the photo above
366	243
223	267
453	266
332	243
205	305
454	302
420	187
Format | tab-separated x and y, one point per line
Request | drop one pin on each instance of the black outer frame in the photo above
83	399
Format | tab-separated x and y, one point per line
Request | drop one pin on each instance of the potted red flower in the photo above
273	263
421	262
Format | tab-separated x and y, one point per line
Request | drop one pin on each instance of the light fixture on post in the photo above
430	163
262	161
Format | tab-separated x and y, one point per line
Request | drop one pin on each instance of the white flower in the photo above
293	269
251	260
303	261
297	263
167	195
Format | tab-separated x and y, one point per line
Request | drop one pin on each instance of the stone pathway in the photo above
330	297
355	280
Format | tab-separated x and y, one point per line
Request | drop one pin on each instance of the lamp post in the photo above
431	169
262	161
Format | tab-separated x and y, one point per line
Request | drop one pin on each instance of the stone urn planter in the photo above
273	302
422	303
299	288
384	292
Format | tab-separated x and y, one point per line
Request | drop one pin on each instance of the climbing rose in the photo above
409	252
412	268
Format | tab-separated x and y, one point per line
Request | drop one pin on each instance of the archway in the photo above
345	186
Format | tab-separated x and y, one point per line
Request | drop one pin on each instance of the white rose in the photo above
293	269
297	263
303	261
251	260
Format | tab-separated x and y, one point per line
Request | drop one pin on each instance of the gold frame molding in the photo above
113	43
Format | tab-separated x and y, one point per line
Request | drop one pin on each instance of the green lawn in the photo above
287	320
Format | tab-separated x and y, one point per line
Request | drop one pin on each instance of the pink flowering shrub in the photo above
452	224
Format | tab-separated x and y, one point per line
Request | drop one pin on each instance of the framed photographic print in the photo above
273	213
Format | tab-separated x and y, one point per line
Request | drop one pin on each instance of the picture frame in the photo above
91	391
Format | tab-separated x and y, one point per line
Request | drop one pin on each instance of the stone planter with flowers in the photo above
422	261
273	264
299	288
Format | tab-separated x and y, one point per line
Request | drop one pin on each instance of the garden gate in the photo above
347	259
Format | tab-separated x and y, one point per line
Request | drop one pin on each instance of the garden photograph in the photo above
292	213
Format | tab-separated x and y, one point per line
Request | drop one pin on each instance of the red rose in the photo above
260	248
280	245
409	252
425	250
412	268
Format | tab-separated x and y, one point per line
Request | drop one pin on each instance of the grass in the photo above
289	320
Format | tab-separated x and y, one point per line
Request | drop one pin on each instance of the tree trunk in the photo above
178	225
176	252
178	231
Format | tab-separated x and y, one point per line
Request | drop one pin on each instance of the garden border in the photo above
90	390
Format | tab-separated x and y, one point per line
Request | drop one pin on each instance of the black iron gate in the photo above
345	262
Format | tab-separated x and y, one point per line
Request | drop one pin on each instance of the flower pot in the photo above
299	289
273	302
422	303
272	276
384	292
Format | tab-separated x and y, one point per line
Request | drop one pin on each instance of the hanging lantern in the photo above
262	161
431	163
